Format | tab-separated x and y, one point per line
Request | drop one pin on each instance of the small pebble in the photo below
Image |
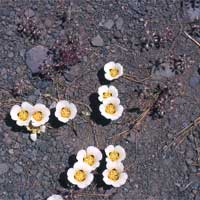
97	41
3	168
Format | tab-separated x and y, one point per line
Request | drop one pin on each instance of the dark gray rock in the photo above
3	168
109	24
17	169
163	71
35	57
119	23
10	54
197	197
29	13
97	41
194	81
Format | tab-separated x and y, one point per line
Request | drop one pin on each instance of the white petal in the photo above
102	108
82	166
109	149
27	106
109	65
43	129
70	176
114	91
22	123
73	111
123	178
120	68
94	151
14	111
115	165
80	155
33	137
102	89
87	181
55	197
108	76
121	151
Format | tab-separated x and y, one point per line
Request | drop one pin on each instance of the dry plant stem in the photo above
50	97
95	136
84	104
91	195
184	133
192	39
134	79
136	122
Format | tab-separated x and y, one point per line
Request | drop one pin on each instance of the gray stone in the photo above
194	81
119	23
197	197
17	169
29	13
9	33
97	41
163	71
109	24
35	57
3	168
22	53
10	54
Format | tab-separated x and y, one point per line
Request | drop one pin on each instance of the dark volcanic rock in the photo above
37	56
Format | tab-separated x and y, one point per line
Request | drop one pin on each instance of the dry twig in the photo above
184	133
137	121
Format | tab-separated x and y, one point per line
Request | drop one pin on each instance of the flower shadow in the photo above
98	178
63	176
14	127
101	77
53	121
96	115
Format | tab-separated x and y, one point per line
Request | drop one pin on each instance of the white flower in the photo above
107	91
111	108
55	197
114	174
40	115
113	70
91	157
65	111
80	175
115	153
21	114
35	130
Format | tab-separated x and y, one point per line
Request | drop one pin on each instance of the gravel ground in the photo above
147	38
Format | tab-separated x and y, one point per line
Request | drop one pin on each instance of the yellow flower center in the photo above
23	115
114	155
37	116
89	159
110	108
114	72
107	94
113	175
65	112
80	175
33	129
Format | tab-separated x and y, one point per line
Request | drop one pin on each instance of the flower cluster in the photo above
114	174
35	117
108	95
88	160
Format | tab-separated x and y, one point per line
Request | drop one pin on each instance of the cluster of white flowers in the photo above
35	117
114	174
108	95
88	160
